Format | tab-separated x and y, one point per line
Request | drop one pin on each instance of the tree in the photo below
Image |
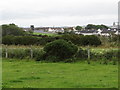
61	49
91	26
104	26
78	28
12	29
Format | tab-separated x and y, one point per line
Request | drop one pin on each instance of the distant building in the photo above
53	29
117	32
32	27
103	32
89	32
114	27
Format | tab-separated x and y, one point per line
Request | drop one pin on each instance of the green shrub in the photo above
19	40
8	40
76	39
112	54
3	52
82	40
91	40
61	49
45	40
81	54
27	40
52	59
39	55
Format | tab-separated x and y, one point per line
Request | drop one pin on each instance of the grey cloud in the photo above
70	11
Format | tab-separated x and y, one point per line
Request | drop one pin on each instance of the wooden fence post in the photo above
31	52
88	54
6	52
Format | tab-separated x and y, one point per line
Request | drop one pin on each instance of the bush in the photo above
27	40
8	40
73	38
19	40
60	49
52	59
81	54
112	54
82	40
39	55
45	40
91	40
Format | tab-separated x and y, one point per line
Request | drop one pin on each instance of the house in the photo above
87	32
108	32
55	29
117	32
105	33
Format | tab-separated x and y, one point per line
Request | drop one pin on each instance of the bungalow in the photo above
55	29
88	32
105	33
117	32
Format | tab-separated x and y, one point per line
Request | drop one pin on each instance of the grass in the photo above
31	74
22	46
93	49
49	34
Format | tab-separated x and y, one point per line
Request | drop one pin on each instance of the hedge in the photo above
43	40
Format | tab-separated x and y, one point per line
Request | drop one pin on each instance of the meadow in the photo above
48	34
31	74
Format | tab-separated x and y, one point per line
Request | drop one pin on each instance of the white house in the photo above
117	32
88	32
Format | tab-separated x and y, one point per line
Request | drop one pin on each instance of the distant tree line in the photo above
12	29
92	26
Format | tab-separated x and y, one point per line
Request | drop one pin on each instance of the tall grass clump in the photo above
21	53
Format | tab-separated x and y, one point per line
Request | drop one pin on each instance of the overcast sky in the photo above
58	12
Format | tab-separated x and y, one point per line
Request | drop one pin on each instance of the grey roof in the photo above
89	31
108	31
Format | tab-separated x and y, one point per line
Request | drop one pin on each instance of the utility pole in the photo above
118	15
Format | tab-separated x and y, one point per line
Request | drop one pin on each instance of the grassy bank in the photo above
31	74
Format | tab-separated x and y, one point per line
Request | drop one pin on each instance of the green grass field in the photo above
49	34
31	74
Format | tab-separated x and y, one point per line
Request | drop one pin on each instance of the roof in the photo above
89	31
108	31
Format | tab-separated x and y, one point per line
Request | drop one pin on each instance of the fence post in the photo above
6	52
31	52
88	49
